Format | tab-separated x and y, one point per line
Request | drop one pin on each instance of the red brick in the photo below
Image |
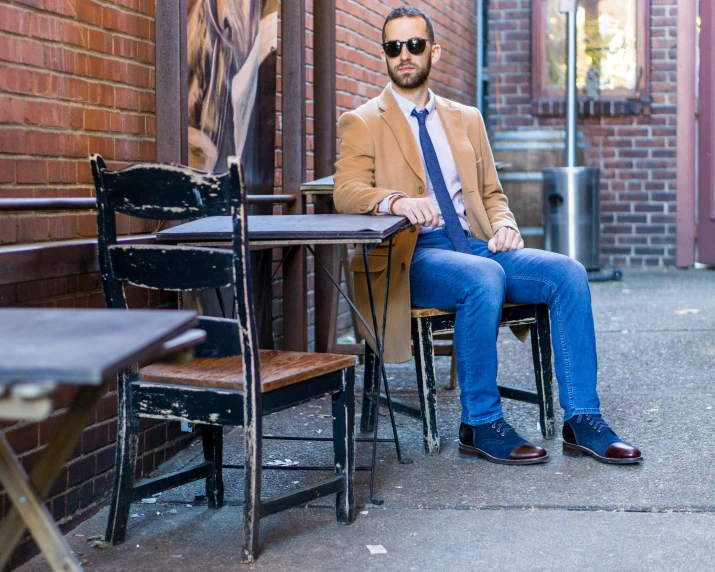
89	11
23	438
44	143
46	27
12	110
30	171
7	171
14	20
96	119
46	113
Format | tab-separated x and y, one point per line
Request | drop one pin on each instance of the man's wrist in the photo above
392	201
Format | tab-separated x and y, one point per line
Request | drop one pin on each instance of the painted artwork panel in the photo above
231	60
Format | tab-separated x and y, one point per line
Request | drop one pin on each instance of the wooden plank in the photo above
278	369
81	346
34	513
172	125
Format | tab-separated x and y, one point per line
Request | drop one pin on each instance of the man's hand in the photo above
505	239
421	212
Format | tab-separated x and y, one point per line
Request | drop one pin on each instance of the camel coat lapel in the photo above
395	119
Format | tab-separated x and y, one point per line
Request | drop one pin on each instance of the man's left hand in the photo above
505	239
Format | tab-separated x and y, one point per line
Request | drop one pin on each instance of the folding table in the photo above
41	349
268	231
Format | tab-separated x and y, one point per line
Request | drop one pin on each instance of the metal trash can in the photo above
571	213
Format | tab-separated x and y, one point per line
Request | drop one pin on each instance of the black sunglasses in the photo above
414	45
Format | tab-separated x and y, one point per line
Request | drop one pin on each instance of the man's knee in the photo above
486	282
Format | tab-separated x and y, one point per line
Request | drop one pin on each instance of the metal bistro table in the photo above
292	231
43	348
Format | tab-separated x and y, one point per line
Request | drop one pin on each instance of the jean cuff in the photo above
575	412
481	420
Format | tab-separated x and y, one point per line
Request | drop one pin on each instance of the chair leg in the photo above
344	446
370	390
125	463
426	382
212	438
453	370
541	353
253	434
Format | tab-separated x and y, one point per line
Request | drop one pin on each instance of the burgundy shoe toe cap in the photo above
622	450
527	451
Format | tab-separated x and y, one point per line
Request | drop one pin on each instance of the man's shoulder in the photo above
468	110
368	110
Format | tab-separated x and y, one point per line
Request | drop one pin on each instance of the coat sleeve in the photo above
355	191
493	197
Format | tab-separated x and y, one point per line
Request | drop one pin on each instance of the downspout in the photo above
685	153
480	54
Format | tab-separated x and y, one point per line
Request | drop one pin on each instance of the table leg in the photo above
36	516
45	471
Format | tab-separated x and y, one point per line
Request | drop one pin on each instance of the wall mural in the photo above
231	61
231	53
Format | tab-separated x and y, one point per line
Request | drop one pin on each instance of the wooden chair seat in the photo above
278	369
429	312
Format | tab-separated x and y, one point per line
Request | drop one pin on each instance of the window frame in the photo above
544	98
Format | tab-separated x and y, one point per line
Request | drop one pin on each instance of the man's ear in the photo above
383	56
436	53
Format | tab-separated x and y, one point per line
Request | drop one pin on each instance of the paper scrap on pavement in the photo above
682	311
376	549
282	463
149	501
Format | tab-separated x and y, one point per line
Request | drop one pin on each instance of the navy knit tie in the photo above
449	214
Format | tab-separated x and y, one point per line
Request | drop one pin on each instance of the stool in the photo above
428	322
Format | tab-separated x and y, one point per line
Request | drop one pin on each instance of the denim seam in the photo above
582	411
483	420
561	333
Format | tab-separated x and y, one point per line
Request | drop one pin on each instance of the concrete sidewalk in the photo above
656	343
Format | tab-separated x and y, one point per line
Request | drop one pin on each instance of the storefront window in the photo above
611	49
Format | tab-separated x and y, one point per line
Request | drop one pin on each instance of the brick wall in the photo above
635	153
76	77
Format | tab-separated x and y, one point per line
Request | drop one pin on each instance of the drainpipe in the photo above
480	54
569	6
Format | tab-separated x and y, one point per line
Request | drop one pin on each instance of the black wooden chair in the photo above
428	322
232	382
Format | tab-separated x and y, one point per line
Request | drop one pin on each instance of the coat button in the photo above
363	207
404	266
420	190
413	229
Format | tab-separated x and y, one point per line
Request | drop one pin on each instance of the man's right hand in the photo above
421	212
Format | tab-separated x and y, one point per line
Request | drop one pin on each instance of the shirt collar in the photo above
407	106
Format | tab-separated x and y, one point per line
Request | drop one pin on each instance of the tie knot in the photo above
420	115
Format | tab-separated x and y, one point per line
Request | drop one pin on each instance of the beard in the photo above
417	78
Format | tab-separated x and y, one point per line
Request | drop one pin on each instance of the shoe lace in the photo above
597	422
501	427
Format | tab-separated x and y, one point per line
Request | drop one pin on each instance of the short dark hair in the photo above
406	11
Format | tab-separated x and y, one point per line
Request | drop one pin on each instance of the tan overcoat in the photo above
378	156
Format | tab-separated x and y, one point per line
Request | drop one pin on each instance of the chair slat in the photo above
166	192
171	268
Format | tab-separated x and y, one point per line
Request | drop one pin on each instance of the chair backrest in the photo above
172	192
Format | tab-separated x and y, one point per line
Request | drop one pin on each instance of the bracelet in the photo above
392	201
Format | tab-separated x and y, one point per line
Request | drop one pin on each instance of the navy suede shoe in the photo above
591	435
498	442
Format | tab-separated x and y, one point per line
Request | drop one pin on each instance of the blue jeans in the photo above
475	287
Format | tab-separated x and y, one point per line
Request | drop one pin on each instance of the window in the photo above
611	52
